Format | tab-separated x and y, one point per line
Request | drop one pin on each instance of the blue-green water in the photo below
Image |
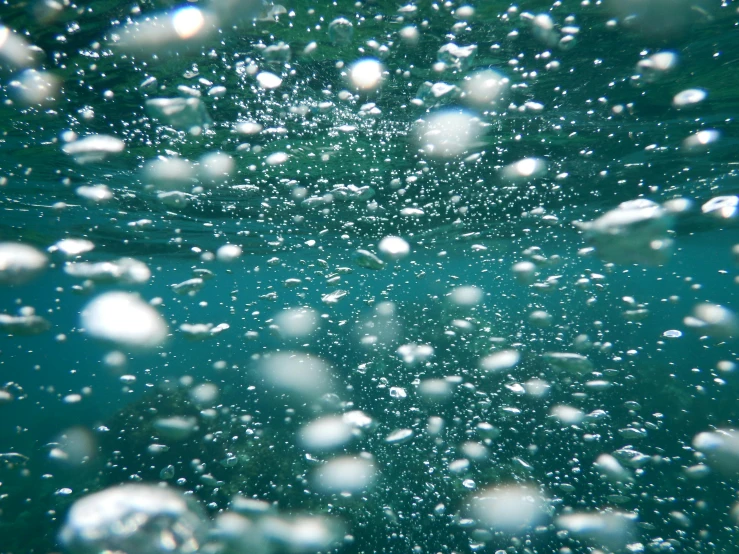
443	399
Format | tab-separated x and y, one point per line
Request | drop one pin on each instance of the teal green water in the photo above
452	422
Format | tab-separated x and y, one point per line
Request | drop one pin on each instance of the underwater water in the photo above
433	277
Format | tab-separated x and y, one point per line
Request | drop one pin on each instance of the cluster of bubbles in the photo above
479	373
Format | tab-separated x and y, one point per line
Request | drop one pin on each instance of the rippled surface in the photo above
368	277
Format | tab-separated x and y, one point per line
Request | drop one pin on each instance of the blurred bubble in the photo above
610	530
340	31
182	113
466	296
509	508
32	87
125	319
296	372
528	168
228	253
20	263
181	27
15	50
75	446
503	360
701	140
689	97
94	148
145	519
167	174
721	207
345	474
448	134
325	434
297	323
567	414
713	320
635	232
486	89
393	248
657	66
268	81
215	168
366	75
175	428
204	395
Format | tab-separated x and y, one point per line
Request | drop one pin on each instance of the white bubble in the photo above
524	272
19	263
485	89
180	113
297	323
304	534
125	270
510	508
14	49
410	35
568	415
435	390
464	12
169	173
115	360
448	134
611	469
689	97
345	474
366	75
33	87
204	395
569	361
367	259
457	56
76	446
72	247
656	66
189	287
713	320
325	433
413	353
636	231
154	33
276	158
527	168
175	428
610	530
503	360
125	319
188	22
268	81
95	194
296	372
248	128
215	168
399	436
536	388
228	253
466	296
146	519
393	248
701	140
721	207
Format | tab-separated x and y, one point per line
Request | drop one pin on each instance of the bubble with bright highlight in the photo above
366	75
